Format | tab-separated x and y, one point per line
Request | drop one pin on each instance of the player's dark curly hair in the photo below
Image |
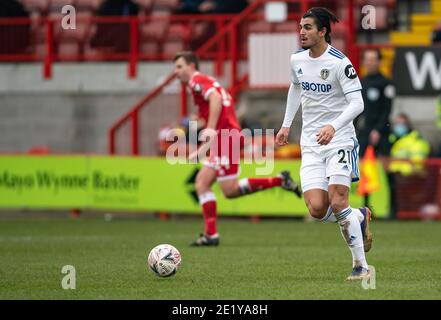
323	18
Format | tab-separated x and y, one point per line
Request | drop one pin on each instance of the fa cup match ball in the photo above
164	260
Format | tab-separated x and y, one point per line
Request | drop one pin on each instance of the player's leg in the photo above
349	220
233	188
342	169
342	162
315	186
317	202
207	199
229	170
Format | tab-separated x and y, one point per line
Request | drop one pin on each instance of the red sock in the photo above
208	203
209	209
251	185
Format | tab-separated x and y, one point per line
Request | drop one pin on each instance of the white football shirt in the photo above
324	82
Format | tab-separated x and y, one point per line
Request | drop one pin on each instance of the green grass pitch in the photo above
267	260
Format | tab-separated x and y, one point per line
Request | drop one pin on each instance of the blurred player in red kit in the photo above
223	132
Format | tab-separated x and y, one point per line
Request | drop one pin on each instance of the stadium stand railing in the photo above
154	34
227	47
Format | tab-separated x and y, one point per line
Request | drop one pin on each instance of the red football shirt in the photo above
201	86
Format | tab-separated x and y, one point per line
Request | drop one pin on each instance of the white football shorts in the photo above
330	164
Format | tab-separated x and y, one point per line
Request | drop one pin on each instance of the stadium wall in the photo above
73	111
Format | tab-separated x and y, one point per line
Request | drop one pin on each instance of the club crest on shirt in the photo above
197	88
324	74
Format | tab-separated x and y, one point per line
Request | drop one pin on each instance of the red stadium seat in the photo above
170	48
339	43
81	27
40	34
259	27
287	27
178	31
145	6
57	5
41	6
167	5
154	30
389	3
381	18
40	50
383	8
90	5
149	48
68	50
339	29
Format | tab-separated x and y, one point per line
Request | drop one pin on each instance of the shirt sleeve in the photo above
292	105
294	80
347	77
203	86
354	108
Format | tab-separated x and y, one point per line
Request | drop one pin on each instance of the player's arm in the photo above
292	106
351	87
209	133
355	107
215	109
214	112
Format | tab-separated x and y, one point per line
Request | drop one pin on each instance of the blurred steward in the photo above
408	152
407	144
378	94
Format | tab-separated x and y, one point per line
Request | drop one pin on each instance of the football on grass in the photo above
164	260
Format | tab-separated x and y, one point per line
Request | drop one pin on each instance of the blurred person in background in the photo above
222	6
217	109
189	7
169	134
378	93
12	9
204	30
407	144
114	36
408	152
211	6
14	39
118	8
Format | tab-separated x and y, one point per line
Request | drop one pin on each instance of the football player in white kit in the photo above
326	85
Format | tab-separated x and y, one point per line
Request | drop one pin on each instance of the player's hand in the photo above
282	136
325	135
207	135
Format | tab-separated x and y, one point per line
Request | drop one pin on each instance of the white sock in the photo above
244	186
329	217
351	231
